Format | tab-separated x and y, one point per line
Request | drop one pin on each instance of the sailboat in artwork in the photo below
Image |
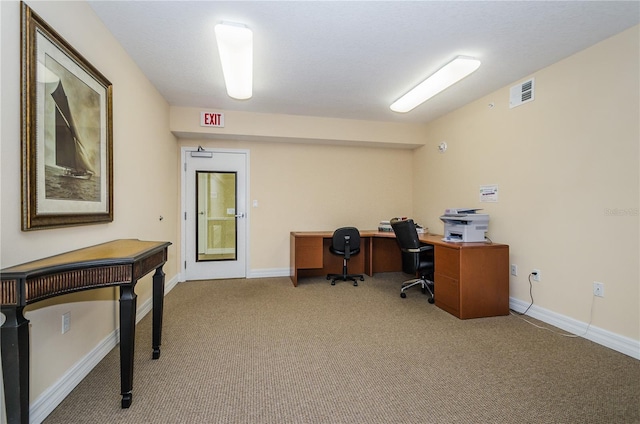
71	155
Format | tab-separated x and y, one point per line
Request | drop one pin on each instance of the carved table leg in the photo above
158	301
127	341
15	364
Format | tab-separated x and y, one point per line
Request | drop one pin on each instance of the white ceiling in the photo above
353	59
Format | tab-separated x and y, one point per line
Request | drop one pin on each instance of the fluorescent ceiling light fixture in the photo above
446	76
235	46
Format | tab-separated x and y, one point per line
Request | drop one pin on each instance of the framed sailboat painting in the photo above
67	145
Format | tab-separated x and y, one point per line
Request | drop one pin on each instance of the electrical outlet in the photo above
66	322
514	269
598	289
536	275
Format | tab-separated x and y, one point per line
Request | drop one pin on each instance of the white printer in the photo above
464	225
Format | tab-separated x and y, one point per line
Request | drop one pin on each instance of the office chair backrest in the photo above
407	238
406	233
339	239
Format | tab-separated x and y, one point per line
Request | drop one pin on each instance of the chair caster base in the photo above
432	300
403	295
346	277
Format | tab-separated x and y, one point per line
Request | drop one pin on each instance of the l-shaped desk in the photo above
471	279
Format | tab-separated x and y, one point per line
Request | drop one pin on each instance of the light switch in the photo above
255	203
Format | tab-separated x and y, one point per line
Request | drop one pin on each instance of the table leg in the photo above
127	341
158	302
15	364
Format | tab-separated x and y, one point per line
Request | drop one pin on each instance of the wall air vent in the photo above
521	93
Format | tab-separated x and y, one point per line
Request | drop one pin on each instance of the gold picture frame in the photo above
67	130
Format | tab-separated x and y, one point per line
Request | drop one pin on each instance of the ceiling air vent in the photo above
521	93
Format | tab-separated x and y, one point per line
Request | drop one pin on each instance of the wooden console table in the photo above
116	263
471	279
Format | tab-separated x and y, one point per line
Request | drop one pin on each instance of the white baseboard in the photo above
268	273
597	335
55	394
256	273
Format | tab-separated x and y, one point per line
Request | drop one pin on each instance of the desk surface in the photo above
427	238
123	251
113	263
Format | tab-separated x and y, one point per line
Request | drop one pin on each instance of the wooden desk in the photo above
471	279
117	263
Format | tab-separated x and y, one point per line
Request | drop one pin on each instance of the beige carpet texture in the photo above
263	351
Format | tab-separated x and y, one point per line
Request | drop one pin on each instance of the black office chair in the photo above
345	242
417	259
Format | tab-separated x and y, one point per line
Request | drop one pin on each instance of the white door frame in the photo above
184	151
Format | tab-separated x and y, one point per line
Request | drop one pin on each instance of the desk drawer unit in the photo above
305	253
473	281
484	281
308	252
447	279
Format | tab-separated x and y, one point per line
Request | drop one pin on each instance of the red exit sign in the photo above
211	119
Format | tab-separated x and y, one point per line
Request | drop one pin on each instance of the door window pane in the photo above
216	224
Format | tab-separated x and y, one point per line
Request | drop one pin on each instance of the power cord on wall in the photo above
520	315
530	295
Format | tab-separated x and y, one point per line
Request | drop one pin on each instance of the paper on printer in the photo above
385	227
464	225
460	211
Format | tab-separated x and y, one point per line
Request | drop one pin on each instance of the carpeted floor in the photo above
262	351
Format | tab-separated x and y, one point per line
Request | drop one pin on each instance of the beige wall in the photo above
313	187
145	187
567	169
561	162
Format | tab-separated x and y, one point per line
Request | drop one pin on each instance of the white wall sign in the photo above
489	193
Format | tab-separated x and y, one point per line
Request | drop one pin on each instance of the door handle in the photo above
240	215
